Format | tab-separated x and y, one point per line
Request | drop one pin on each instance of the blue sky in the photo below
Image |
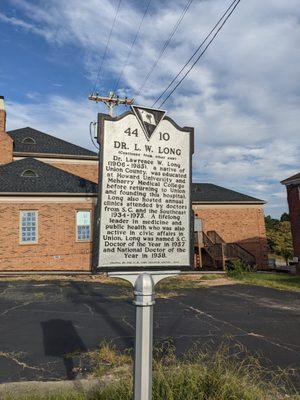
242	98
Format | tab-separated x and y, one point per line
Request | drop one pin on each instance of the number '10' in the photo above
164	136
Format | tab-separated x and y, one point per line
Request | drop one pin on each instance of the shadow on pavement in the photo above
102	305
61	340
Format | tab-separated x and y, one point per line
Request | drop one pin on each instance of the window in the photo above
29	173
28	226
197	224
28	140
83	225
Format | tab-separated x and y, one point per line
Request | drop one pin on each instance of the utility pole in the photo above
111	101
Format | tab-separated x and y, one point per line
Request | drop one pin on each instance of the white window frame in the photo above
90	226
25	242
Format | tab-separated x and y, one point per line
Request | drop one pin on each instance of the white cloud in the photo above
242	99
56	115
29	27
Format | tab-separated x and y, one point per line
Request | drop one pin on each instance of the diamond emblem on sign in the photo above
149	119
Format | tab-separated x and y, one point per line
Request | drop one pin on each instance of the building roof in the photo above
37	142
48	179
31	176
292	179
210	193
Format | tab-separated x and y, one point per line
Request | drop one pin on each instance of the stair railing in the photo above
213	249
215	237
230	250
242	253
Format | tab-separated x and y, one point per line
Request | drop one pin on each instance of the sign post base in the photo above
143	283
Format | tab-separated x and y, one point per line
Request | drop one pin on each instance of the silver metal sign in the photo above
144	192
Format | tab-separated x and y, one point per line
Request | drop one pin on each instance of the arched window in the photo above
28	140
29	173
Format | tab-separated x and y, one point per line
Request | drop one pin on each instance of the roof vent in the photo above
28	140
196	188
29	173
82	182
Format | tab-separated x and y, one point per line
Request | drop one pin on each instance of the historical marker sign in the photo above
145	192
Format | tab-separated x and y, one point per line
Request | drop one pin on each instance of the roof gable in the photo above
292	179
29	140
47	179
210	193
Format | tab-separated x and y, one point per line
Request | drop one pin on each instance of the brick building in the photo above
48	193
293	196
231	225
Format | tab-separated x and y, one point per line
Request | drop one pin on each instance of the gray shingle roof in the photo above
53	180
48	180
45	144
210	193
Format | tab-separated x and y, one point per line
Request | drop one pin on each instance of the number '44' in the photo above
131	133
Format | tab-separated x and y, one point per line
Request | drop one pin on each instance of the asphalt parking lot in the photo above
42	321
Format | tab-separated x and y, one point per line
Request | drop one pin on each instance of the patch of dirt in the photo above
219	282
199	281
50	277
180	282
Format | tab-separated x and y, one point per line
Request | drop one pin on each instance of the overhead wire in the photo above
196	51
107	45
91	134
132	46
165	46
201	54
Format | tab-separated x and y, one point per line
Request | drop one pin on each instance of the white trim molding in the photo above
60	160
47	199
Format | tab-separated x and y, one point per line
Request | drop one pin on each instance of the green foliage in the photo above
237	269
271	223
279	236
278	281
225	374
285	217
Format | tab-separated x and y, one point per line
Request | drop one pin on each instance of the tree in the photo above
271	223
285	217
279	238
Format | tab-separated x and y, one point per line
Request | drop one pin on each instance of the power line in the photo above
131	48
107	44
196	51
165	46
201	54
91	134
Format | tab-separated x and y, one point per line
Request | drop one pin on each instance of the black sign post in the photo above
144	213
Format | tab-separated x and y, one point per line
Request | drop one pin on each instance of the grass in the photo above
277	281
39	296
185	282
169	287
220	375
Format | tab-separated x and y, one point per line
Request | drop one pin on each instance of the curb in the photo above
13	390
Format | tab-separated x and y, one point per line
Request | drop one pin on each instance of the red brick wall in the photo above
6	142
56	249
88	171
293	192
2	121
243	225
